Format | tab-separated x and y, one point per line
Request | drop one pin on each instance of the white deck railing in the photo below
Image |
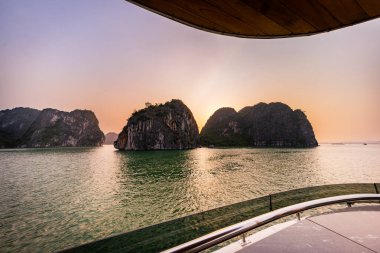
240	228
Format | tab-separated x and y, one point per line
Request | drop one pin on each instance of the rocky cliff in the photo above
164	126
14	123
262	125
25	127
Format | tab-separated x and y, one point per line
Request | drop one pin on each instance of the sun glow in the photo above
135	56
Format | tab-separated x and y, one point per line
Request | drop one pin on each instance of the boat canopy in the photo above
265	18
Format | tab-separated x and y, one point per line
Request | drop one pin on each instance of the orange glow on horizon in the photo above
135	56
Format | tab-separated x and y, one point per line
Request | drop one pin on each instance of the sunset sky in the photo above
111	57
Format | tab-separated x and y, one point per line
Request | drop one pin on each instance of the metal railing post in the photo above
244	240
270	202
377	191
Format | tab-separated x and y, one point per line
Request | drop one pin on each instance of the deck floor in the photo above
354	229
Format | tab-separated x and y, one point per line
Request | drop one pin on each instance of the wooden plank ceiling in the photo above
265	18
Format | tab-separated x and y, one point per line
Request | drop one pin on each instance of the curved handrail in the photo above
232	231
166	235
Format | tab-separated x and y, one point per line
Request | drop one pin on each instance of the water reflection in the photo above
155	166
182	182
150	183
55	198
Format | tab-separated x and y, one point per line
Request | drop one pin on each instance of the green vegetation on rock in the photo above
160	126
262	125
25	127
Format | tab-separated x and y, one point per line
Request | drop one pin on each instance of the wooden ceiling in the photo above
265	18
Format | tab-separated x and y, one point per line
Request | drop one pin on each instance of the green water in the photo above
56	198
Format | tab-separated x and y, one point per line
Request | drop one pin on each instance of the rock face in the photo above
165	126
14	123
110	138
262	125
25	127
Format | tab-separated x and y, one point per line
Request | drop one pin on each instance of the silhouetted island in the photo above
262	125
31	128
110	138
161	126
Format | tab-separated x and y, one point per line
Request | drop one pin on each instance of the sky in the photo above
112	56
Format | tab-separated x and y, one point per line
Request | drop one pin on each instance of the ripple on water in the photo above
55	198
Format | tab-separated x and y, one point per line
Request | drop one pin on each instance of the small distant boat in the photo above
337	143
364	143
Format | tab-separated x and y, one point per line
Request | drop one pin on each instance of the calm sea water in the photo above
52	199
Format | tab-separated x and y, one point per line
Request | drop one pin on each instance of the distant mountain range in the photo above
353	142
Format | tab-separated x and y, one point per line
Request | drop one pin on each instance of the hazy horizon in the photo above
111	57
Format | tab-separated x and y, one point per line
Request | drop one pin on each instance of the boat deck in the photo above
353	229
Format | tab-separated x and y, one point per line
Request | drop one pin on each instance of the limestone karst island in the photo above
31	128
172	126
262	125
158	127
163	126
